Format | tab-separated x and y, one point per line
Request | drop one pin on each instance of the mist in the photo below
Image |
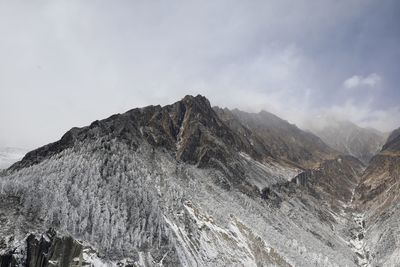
67	63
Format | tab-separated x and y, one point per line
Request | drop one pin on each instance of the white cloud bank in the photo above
358	81
364	115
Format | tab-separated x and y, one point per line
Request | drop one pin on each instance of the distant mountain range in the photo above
348	138
189	184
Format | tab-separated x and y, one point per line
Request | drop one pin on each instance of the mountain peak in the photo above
199	99
196	133
189	128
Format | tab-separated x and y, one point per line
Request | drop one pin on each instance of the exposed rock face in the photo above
393	142
198	134
336	177
182	185
278	138
383	172
350	139
189	128
51	250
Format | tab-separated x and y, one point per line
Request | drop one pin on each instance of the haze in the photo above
67	63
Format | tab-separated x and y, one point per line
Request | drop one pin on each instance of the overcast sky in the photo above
67	63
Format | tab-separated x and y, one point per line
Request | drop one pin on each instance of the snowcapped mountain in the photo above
348	138
183	185
10	155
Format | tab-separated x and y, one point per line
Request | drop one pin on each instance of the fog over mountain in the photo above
199	133
67	63
348	138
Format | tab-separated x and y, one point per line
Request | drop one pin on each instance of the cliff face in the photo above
181	185
278	138
50	249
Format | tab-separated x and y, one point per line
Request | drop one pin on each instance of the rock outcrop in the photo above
275	137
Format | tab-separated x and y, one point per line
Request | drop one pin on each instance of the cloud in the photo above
72	62
364	115
357	81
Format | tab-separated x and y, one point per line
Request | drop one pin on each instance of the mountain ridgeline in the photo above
348	138
188	184
197	134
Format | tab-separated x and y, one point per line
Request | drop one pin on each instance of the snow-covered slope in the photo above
151	208
10	155
177	186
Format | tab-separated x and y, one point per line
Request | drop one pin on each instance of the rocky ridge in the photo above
277	137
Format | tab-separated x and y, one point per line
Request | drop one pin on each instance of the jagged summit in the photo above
197	134
187	127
